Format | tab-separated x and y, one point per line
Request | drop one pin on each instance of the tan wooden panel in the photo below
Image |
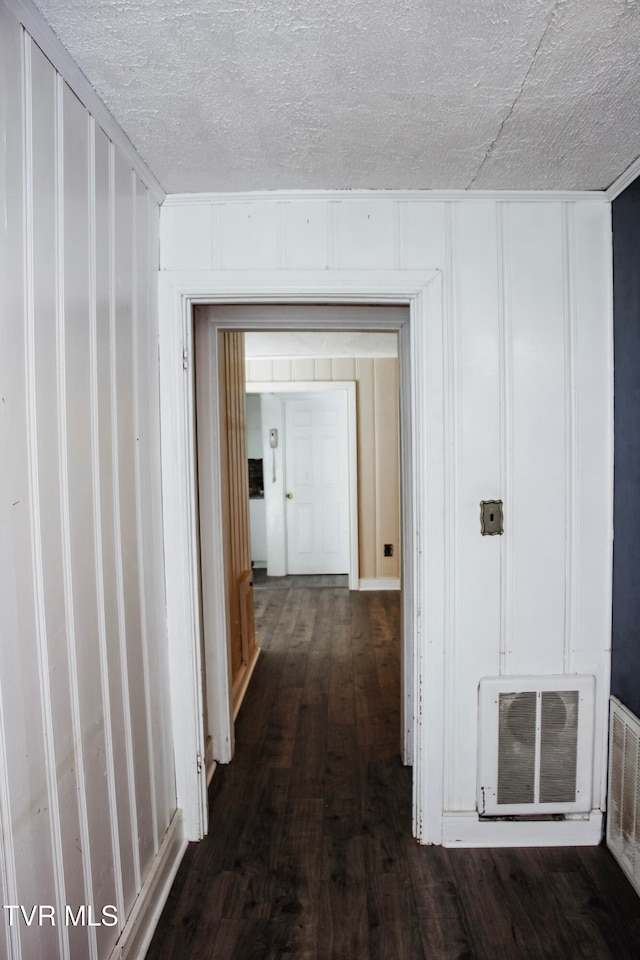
344	368
304	368
235	487
388	466
367	513
324	369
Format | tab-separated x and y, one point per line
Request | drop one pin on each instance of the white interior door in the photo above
317	483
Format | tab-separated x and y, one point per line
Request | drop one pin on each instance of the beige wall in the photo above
378	446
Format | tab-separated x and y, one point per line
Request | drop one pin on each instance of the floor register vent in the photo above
535	745
623	817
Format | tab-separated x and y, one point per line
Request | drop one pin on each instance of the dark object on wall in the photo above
491	518
256	480
625	654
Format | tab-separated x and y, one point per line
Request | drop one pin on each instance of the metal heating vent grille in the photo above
551	716
623	819
535	745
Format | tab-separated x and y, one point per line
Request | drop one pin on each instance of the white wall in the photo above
528	408
86	765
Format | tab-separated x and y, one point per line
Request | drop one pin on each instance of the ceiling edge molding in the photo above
36	26
257	196
623	181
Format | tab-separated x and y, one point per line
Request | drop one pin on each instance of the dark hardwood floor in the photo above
310	853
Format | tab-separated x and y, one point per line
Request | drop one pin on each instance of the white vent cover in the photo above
535	745
623	819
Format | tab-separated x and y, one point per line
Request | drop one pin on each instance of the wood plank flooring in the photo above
310	853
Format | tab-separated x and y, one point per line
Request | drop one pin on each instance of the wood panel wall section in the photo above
235	499
378	436
526	284
87	788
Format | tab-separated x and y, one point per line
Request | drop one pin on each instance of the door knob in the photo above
289	496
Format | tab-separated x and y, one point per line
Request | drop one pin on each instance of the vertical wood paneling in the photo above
475	653
424	235
305	235
140	386
527	286
116	693
367	492
387	472
126	373
282	369
76	321
323	369
250	236
539	438
366	234
260	370
53	650
186	238
451	498
78	506
572	505
304	369
344	368
110	872
147	449
503	233
235	497
46	289
27	838
120	322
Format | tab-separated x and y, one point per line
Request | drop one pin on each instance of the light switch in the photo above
491	517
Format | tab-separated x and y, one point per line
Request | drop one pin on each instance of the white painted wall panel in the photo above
473	313
115	696
126	316
365	235
29	818
306	234
86	794
537	511
528	415
186	237
248	236
422	238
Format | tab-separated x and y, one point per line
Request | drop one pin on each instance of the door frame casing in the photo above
288	389
424	375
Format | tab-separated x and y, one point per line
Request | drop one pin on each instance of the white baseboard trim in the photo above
242	683
259	564
468	830
379	583
141	923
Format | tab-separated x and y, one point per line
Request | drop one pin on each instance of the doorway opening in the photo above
319	514
423	366
306	436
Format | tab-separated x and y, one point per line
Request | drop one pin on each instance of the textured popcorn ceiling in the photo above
224	95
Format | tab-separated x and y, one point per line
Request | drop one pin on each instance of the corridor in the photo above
310	853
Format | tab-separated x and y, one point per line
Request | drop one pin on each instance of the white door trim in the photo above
425	467
322	386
